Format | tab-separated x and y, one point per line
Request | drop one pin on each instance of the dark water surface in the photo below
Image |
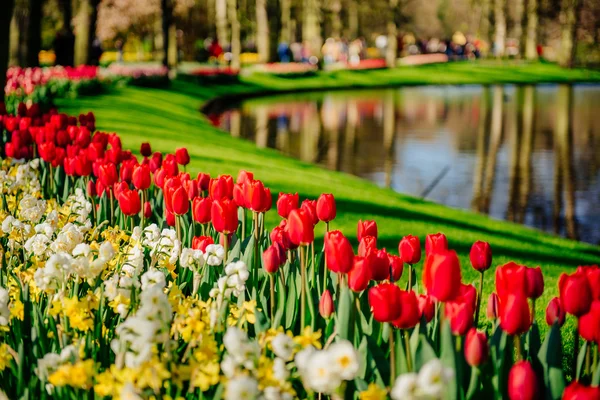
529	154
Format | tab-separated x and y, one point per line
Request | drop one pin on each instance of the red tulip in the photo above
359	276
129	202
281	236
238	195
511	278
286	203
397	266
147	210
410	249
300	228
481	256
326	207
310	207
200	242
460	316
182	156
221	187
83	167
515	317
201	209
366	228
379	264
385	303
441	275
271	259
592	272
426	307
522	382
436	242
535	283
224	216
145	149
126	171
476	348
555	312
170	217
179	201
410	315
47	151
91	189
244	176
338	252
258	198
326	305
155	162
141	177
108	174
203	181
575	293
170	165
589	324
578	391
467	294
367	245
493	306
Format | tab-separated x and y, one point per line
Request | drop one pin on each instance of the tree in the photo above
87	17
262	31
517	31
311	28
236	44
531	32
34	33
221	22
391	53
285	35
64	46
167	17
568	21
5	18
500	34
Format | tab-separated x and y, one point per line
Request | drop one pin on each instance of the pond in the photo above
529	154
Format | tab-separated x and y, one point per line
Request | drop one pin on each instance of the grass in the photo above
170	118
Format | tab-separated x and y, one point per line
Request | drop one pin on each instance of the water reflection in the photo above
528	154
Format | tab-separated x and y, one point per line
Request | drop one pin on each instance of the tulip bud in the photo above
258	198
426	307
326	305
145	149
279	235
441	275
129	202
522	382
379	264
384	300
338	252
476	348
203	181
201	208
91	189
271	261
578	391
147	210
200	242
366	228
436	242
460	316
409	316
397	266
359	276
182	156
575	293
286	203
179	201
300	227
555	312
515	316
141	177
535	283
410	249
310	207
326	207
492	307
481	256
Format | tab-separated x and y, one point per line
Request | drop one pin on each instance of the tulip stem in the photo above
576	346
408	353
303	287
479	300
112	207
392	357
518	347
272	282
314	267
225	247
588	359
410	277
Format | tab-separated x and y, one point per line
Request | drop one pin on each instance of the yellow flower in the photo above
373	392
308	338
78	375
79	313
106	385
5	356
152	374
205	375
17	310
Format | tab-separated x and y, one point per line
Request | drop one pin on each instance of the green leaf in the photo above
401	361
501	350
343	317
363	353
473	391
449	359
292	303
379	357
581	359
423	353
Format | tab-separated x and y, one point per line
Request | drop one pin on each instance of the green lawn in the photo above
171	118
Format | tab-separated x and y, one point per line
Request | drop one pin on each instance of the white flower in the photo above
128	392
37	244
234	340
283	346
214	254
228	366
106	251
280	371
4	311
191	258
345	359
406	387
47	365
153	277
242	388
320	375
302	357
433	378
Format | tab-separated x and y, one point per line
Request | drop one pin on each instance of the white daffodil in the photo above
345	359
283	346
320	375
406	387
280	371
242	388
4	310
214	254
433	378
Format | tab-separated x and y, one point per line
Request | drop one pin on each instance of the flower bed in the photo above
122	276
137	75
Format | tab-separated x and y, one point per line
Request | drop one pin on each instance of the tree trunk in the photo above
352	19
484	26
93	23
494	146
221	23
391	53
311	29
285	35
568	21
336	21
526	150
82	38
482	131
15	56
5	25
262	31
65	51
236	45
500	35
167	16
518	24
532	28
34	34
